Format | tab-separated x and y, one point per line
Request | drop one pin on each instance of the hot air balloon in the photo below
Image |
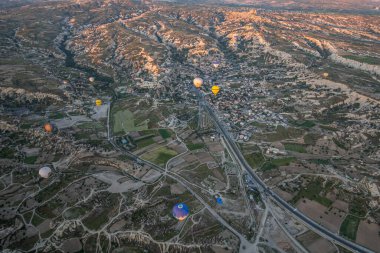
219	200
198	82
180	211
98	102
325	75
216	64
48	127
215	89
91	79
44	172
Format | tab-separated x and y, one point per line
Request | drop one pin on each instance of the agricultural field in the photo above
124	121
349	227
314	190
295	147
255	160
160	155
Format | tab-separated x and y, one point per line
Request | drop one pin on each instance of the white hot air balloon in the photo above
45	172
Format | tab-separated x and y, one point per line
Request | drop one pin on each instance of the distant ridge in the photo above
297	4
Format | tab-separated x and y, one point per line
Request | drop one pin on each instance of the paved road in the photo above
245	245
235	151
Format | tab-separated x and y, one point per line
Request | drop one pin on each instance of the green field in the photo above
282	133
304	123
165	133
349	227
124	121
311	138
283	161
276	163
358	207
268	166
312	192
159	156
30	159
37	220
7	153
255	160
295	147
144	141
194	146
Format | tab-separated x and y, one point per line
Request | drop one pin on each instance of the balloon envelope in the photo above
91	79
180	211
48	127
215	89
44	172
219	201
98	102
198	82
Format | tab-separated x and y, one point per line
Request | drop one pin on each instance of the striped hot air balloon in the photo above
215	89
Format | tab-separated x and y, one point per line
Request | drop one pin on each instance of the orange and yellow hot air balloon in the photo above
48	127
198	82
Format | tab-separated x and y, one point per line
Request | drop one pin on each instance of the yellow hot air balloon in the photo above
325	75
98	102
198	82
215	89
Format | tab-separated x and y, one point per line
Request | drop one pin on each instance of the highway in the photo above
238	156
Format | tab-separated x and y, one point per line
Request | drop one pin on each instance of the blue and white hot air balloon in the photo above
219	200
216	64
